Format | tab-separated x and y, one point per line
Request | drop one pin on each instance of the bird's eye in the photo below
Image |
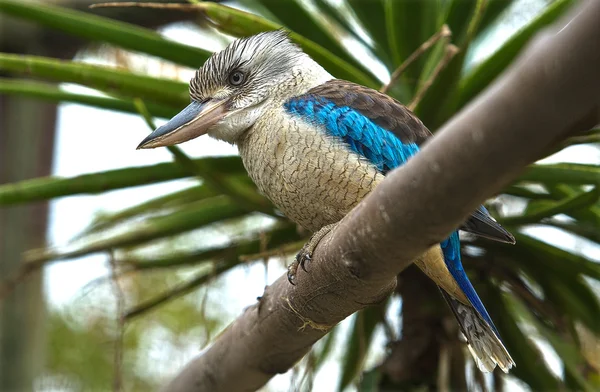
236	78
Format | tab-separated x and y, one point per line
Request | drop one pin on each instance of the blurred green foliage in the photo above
535	290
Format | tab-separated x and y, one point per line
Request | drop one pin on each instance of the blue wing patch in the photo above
363	136
382	148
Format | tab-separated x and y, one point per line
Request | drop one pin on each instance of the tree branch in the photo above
549	93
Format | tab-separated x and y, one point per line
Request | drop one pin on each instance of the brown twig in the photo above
443	33
449	53
118	344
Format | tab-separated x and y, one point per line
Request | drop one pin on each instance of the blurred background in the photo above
118	266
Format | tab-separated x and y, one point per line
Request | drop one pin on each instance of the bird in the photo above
316	146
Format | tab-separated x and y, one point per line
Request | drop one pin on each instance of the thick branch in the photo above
549	93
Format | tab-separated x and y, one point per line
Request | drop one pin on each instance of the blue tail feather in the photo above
451	251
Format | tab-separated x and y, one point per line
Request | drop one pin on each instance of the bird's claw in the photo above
303	259
291	274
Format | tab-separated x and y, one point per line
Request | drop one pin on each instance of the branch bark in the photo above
549	93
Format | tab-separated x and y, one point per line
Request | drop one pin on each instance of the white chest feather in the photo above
312	179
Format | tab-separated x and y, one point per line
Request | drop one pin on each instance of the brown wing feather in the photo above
390	114
382	109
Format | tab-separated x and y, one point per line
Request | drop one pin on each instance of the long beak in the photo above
193	121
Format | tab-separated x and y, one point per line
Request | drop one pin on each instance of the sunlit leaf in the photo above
493	10
153	206
565	206
409	24
582	229
531	367
589	216
241	24
433	109
52	187
567	173
567	351
488	70
552	258
52	93
296	17
168	92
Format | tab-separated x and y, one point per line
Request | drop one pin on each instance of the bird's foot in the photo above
304	257
302	260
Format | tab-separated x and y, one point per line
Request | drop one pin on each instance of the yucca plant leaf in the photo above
567	352
52	93
153	206
169	92
570	357
458	13
325	348
590	215
394	10
188	217
371	15
544	255
241	24
97	28
370	381
333	13
531	367
586	216
547	264
409	24
483	74
582	229
493	10
566	173
359	341
433	107
521	191
46	188
565	206
570	296
279	236
296	17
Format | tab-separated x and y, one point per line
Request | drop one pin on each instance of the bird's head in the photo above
235	86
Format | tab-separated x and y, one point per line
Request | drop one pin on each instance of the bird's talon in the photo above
305	260
291	274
